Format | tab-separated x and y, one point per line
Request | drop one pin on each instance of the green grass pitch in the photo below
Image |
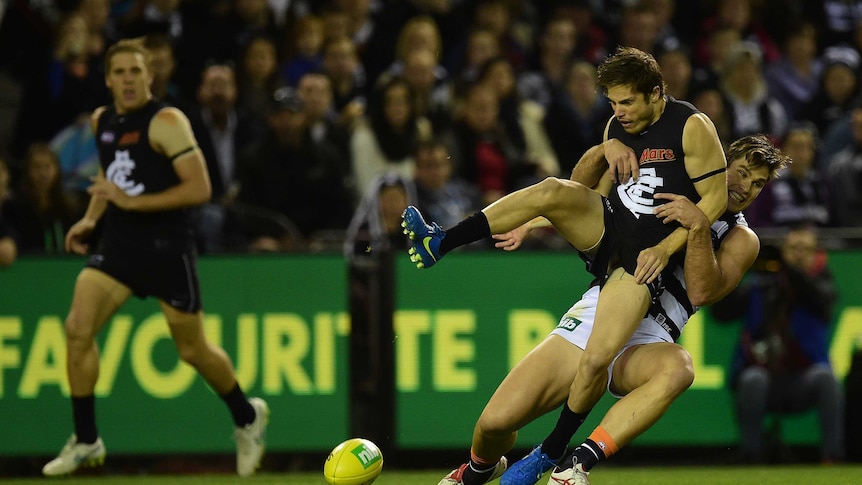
771	475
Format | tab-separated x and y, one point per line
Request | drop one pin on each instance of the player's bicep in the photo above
171	133
704	155
706	165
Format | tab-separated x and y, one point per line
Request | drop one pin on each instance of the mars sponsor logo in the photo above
657	155
129	138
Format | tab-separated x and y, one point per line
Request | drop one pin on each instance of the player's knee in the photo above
78	331
679	370
190	354
494	425
595	362
550	191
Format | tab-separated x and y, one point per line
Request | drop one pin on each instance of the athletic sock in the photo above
478	471
469	230
241	410
567	425
84	416
598	447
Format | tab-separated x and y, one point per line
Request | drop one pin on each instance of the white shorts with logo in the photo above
576	325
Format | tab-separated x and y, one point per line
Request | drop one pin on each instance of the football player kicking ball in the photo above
651	370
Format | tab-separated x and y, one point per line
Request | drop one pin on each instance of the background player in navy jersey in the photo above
676	150
151	173
651	371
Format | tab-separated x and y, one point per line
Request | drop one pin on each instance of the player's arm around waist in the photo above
171	135
706	165
709	275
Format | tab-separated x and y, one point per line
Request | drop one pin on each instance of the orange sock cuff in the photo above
604	440
481	461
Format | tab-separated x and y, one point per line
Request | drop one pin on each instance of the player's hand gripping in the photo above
513	239
103	189
77	234
622	161
681	210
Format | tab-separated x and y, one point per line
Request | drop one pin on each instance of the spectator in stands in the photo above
667	38
257	75
793	79
8	247
361	24
305	49
837	90
190	33
385	141
41	211
781	365
496	16
522	120
638	28
68	86
222	128
375	228
799	195
752	108
341	65
315	91
482	152
577	117
163	66
441	195
740	16
713	104
592	39
223	131
844	176
419	33
548	69
291	175
432	95
481	45
713	56
677	71
246	21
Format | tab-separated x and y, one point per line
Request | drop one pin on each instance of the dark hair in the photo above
630	67
759	151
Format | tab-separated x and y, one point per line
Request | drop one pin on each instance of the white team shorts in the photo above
576	325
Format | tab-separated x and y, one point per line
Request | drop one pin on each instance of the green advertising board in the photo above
284	321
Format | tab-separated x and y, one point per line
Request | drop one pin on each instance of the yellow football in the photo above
356	461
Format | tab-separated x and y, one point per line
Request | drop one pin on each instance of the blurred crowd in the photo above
301	106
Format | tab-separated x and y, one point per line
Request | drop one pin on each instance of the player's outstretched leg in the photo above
251	439
75	455
455	476
425	238
529	469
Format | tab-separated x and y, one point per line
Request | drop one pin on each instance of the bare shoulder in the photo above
171	132
741	241
699	125
170	116
94	117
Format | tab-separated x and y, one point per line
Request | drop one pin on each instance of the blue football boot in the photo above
425	238
529	469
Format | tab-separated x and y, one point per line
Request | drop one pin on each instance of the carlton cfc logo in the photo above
119	172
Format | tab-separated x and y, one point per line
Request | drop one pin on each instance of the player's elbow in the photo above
203	193
699	298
